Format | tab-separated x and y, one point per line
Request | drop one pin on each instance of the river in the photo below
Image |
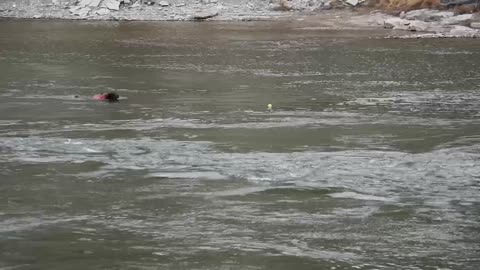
368	160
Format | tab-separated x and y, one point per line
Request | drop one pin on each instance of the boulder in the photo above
475	25
164	3
402	24
396	23
327	5
428	15
464	19
81	12
112	4
352	2
102	11
418	26
202	15
463	31
94	3
73	9
89	3
84	3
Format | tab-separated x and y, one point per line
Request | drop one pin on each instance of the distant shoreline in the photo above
360	18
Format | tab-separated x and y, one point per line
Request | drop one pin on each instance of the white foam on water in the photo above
377	175
28	223
190	175
249	120
359	196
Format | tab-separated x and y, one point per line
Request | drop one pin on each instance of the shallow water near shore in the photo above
369	159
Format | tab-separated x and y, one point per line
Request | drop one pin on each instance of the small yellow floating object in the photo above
269	107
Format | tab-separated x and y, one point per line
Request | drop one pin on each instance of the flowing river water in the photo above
369	159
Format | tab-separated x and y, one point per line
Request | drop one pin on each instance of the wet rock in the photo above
202	15
111	4
464	19
164	3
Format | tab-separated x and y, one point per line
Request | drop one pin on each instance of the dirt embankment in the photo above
398	15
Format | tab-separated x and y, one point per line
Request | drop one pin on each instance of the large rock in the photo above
95	3
475	25
74	9
164	3
428	15
464	19
80	11
111	4
418	26
89	3
84	3
403	24
418	14
396	23
202	15
352	2
102	11
463	31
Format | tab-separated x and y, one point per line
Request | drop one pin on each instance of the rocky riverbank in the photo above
160	10
416	23
427	23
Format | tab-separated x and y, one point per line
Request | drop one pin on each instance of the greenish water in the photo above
369	159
